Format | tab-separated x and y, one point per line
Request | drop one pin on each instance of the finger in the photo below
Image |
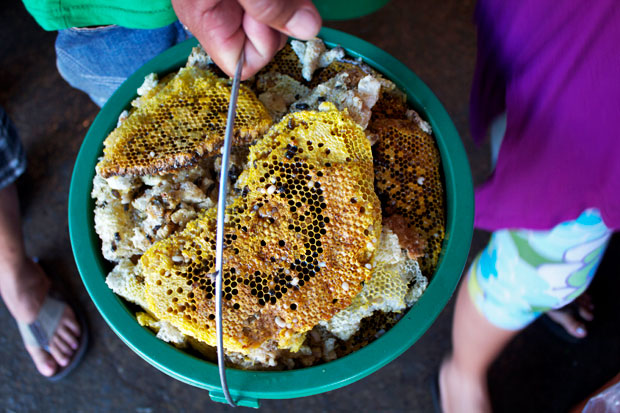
217	24
261	45
283	40
297	18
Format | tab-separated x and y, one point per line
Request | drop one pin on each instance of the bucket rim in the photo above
253	385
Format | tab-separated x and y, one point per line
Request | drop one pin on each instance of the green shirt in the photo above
151	14
134	14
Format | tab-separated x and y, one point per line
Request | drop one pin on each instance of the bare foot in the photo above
573	316
24	294
462	392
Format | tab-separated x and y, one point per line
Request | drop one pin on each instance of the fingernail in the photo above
304	24
580	330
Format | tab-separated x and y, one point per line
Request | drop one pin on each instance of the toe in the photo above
60	351
43	361
572	326
64	347
575	328
68	336
70	322
585	313
585	306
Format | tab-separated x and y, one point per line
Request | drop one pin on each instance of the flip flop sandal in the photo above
40	332
435	392
558	330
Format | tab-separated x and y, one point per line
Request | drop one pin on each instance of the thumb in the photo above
296	18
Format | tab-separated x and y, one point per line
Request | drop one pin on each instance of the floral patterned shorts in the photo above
523	273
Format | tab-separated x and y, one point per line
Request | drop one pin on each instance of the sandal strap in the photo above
40	332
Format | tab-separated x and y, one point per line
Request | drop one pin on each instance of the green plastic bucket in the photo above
347	9
248	387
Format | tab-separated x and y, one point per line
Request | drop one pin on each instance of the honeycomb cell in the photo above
354	69
180	124
408	181
301	237
285	62
391	105
302	260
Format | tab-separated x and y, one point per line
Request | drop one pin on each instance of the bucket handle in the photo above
218	396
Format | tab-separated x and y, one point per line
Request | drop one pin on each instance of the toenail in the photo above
49	368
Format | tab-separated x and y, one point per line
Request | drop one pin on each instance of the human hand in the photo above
260	27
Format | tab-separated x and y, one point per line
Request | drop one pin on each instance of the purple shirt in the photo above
554	67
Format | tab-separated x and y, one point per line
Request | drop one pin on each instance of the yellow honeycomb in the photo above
285	62
301	243
126	281
392	272
180	123
298	240
409	184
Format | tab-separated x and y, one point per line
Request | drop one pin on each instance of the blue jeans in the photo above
98	60
12	155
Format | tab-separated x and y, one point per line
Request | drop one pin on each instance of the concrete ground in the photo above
537	372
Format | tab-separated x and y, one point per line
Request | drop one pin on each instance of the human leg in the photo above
98	60
23	284
516	278
573	316
476	343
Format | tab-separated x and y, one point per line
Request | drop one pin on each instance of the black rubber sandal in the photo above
559	331
40	332
435	392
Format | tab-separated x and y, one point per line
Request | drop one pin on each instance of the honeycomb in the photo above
370	329
390	106
302	264
179	124
126	281
285	62
409	183
355	71
392	272
154	90
298	240
164	330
